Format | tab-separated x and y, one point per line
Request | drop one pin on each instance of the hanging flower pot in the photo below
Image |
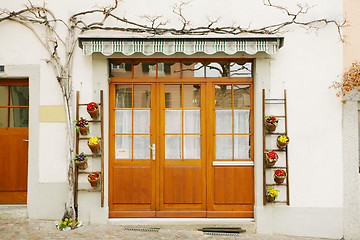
81	161
82	126
94	179
282	141
271	194
94	144
93	109
279	176
271	158
271	123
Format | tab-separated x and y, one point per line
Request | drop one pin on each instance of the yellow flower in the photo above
66	219
70	223
70	219
283	138
93	141
60	222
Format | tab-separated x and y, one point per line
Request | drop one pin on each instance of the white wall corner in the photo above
264	217
351	195
99	215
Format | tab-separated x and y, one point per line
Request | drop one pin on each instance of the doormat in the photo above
222	231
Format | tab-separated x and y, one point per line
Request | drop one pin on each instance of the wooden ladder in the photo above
93	156
270	136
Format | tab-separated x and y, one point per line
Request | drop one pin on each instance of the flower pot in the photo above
268	163
279	179
95	113
84	130
95	182
270	198
82	165
270	126
95	148
281	144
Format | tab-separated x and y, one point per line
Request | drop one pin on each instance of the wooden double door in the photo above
181	149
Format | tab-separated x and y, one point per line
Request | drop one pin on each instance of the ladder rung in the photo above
275	133
89	190
274	99
276	150
274	184
93	155
94	120
280	202
87	138
84	172
85	104
276	167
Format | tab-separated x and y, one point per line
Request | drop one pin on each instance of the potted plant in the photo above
271	194
94	144
81	161
279	176
271	158
82	126
271	123
93	109
94	179
282	141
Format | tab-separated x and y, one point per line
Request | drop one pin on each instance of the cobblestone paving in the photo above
38	229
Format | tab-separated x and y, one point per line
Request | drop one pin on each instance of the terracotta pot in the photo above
281	144
82	165
278	179
84	130
95	113
95	148
270	126
270	198
94	183
268	163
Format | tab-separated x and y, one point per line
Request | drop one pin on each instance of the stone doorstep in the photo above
13	212
190	224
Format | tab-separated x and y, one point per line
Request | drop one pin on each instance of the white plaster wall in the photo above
305	66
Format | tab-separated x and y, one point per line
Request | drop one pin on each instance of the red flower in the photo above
92	106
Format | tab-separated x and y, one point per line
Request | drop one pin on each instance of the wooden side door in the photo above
132	162
231	168
182	160
14	115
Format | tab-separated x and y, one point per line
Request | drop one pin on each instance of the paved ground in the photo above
38	229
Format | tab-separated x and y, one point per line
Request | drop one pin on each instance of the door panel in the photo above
182	184
132	184
182	151
132	168
14	108
231	182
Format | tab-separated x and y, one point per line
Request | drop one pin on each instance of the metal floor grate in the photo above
143	229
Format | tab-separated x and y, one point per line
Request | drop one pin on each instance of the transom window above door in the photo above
181	69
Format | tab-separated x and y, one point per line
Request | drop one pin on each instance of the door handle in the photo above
153	151
25	140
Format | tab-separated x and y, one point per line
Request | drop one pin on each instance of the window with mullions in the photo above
182	69
14	106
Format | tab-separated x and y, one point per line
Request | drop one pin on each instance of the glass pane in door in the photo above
132	121
182	121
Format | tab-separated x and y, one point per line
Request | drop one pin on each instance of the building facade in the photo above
182	119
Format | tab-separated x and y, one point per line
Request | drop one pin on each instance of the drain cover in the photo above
143	229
